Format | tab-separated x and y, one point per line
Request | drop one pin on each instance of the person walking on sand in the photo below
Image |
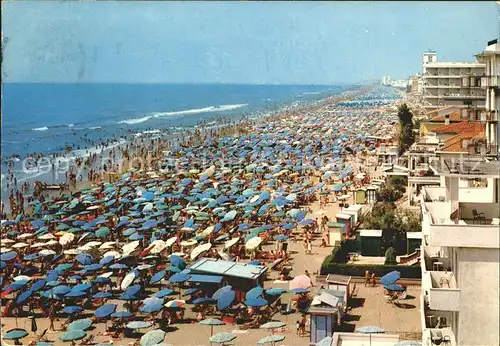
367	278
374	282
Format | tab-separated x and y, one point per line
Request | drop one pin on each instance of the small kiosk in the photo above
336	233
358	209
371	241
371	194
346	220
360	195
326	313
340	283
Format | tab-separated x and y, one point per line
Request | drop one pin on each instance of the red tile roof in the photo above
461	127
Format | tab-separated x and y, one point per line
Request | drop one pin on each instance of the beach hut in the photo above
358	209
371	242
325	312
336	233
371	194
413	241
347	221
340	283
360	195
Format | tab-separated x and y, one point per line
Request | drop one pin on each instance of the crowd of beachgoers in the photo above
117	245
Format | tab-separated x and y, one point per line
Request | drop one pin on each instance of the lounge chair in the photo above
437	338
481	217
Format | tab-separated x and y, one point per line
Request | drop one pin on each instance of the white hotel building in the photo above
452	83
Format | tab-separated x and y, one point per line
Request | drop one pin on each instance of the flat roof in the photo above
370	233
228	268
335	278
343	216
468	167
414	235
211	279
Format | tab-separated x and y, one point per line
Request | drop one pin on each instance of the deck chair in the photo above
437	338
481	217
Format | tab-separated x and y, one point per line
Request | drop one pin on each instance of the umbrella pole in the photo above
211	330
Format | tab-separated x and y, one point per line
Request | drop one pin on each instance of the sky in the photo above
236	42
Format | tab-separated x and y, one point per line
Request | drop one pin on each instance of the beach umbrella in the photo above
24	296
38	285
15	334
221	338
253	243
394	287
281	237
128	279
370	330
72	335
153	338
158	276
177	261
175	303
192	290
390	278
81	324
325	341
300	281
256	302
164	292
102	295
118	266
179	277
275	291
273	325
221	290
199	250
105	310
231	242
225	299
84	259
102	232
74	294
8	256
122	314
408	343
212	322
255	292
72	309
271	339
152	307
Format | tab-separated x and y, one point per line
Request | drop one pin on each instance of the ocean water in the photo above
46	118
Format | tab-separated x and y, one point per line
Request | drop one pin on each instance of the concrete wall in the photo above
478	279
468	236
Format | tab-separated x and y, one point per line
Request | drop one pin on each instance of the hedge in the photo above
329	267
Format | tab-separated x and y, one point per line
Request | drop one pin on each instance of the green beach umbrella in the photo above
221	338
72	335
153	338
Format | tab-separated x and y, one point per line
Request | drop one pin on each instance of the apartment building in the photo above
460	254
490	115
452	83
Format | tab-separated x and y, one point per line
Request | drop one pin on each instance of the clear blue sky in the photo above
236	42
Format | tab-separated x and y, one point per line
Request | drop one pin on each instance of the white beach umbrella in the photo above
51	242
207	231
231	242
106	275
92	244
66	238
71	252
107	245
253	243
19	245
46	236
5	249
127	280
130	247
25	236
22	277
93	207
170	241
47	252
7	241
158	246
189	242
343	197
223	255
199	250
115	254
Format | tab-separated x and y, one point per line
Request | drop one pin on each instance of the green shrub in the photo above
390	256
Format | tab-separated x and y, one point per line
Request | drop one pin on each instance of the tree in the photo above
388	194
390	256
406	135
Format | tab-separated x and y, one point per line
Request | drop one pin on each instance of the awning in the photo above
212	279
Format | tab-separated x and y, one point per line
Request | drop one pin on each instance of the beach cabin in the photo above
358	209
360	195
339	283
413	241
371	194
336	233
347	221
326	313
371	242
241	276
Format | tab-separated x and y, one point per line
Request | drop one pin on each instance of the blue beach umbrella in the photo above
74	294
105	310
394	287
73	309
254	293
24	296
15	334
102	295
177	261
256	302
122	314
158	276
221	290
164	292
72	335
225	299
84	259
390	278
275	291
179	277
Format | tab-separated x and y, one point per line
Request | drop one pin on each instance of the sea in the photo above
54	118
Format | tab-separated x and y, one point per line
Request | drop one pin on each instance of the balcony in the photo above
490	81
443	293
